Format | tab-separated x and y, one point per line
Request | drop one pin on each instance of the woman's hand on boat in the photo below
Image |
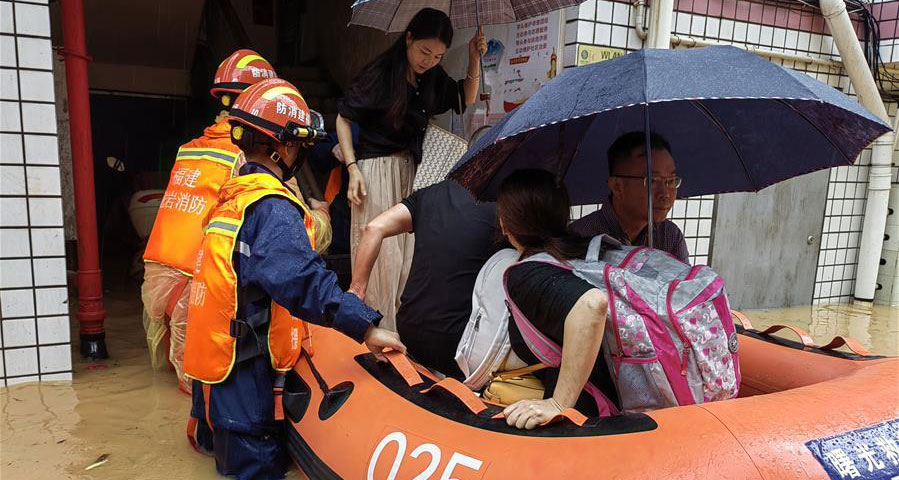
377	339
356	191
527	414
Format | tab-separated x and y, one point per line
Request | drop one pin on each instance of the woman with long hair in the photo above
392	100
533	212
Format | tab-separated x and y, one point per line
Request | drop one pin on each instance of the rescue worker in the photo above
255	270
201	167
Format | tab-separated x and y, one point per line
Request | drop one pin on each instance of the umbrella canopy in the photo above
735	121
393	15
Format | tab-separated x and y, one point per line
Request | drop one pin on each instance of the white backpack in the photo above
485	342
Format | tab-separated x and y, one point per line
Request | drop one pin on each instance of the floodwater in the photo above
122	409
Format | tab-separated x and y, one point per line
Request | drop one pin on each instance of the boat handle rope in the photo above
461	392
570	414
404	367
850	343
804	337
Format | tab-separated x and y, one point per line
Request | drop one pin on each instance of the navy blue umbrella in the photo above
735	121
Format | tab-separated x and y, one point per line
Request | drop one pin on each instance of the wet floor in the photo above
137	418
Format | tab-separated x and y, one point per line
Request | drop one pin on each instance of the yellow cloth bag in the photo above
509	387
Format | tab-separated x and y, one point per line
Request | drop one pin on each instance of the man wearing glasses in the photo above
624	215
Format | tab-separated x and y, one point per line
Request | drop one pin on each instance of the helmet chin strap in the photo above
287	172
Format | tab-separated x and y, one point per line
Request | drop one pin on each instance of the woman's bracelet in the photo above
351	163
468	76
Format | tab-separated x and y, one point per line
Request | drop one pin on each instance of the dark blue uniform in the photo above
274	260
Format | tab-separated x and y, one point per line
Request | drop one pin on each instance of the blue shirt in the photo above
275	261
666	236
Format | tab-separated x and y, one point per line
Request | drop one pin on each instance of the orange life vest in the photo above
209	351
201	167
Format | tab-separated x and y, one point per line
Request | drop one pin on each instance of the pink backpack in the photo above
669	338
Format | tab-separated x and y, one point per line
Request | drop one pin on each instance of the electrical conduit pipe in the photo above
846	40
90	281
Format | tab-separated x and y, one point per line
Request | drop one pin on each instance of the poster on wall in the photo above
516	66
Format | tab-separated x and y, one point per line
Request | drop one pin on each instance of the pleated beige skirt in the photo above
389	181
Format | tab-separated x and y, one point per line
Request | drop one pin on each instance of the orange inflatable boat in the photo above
803	412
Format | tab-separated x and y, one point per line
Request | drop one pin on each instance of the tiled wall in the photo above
779	26
34	322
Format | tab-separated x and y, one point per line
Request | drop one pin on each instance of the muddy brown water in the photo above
137	417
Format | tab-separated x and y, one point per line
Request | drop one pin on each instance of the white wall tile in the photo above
19	333
10	148
587	10
792	40
739	32
12	180
727	29
579	32
633	41
2	369
603	34
32	19
37	86
56	358
10	120
9	84
49	271
39	117
47	241
13	242
52	301
6	24
681	22
619	37
20	380
15	274
45	212
753	33
21	361
43	180
7	51
16	303
13	212
57	377
603	11
712	27
53	329
697	27
35	53
42	149
621	14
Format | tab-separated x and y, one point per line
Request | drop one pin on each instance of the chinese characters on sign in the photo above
869	453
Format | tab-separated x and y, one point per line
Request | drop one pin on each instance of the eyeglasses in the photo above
669	182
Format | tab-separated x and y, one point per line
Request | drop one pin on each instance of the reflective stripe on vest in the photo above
201	167
210	349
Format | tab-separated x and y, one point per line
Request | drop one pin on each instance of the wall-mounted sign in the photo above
587	54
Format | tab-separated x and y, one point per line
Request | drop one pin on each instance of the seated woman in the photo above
533	214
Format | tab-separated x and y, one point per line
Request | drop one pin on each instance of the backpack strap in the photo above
594	250
546	350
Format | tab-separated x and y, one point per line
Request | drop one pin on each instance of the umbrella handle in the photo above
482	80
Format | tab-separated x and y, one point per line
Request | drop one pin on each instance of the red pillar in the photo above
90	280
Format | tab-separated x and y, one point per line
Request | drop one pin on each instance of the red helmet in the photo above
237	72
276	108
